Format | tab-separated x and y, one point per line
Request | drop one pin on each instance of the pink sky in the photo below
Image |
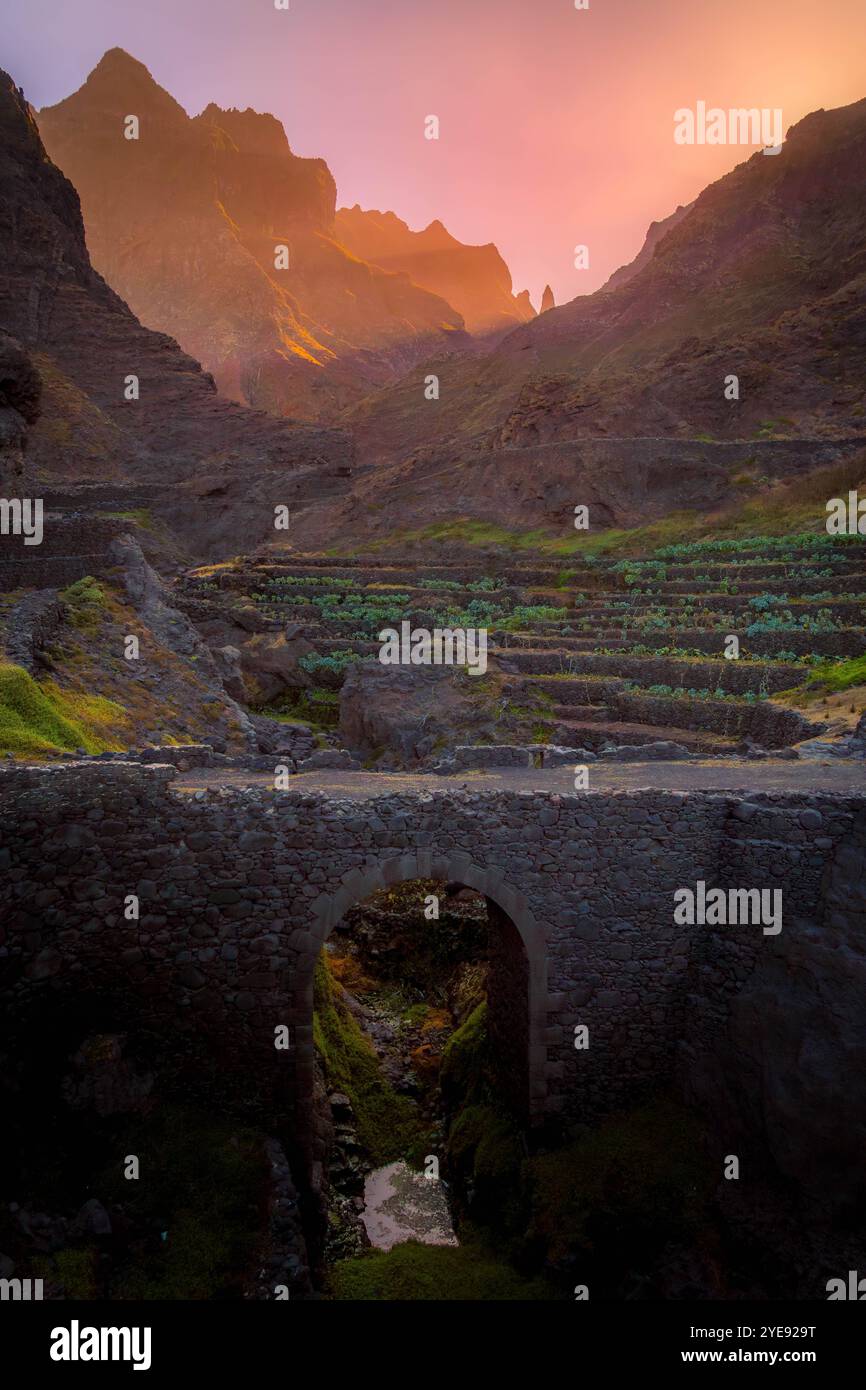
556	124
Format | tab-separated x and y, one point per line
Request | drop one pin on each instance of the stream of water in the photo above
401	1204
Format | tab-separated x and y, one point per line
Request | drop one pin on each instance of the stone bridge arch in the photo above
511	909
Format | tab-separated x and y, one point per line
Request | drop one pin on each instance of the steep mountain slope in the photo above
475	279
655	232
764	278
186	222
72	333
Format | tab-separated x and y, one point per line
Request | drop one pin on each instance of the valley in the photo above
394	679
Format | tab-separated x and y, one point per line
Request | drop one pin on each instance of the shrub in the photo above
85	600
336	662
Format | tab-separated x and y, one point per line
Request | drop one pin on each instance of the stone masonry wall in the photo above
239	889
72	546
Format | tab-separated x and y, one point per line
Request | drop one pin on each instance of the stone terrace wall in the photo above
72	546
239	889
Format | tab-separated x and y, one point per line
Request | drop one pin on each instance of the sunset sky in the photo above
556	124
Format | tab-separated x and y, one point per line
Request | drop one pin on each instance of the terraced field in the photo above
599	652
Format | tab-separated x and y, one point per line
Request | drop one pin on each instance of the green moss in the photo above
412	1271
416	1014
36	719
464	1075
638	1178
74	1268
488	1138
140	515
203	1187
833	676
387	1122
485	1143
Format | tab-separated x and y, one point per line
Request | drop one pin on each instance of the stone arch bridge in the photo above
238	889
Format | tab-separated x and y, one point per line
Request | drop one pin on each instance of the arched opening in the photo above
425	999
519	931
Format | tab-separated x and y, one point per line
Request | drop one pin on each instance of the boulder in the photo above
228	664
250	619
276	738
407	711
270	663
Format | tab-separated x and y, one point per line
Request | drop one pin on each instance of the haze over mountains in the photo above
73	344
615	398
764	276
186	223
475	279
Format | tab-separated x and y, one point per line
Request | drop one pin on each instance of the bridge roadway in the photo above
843	776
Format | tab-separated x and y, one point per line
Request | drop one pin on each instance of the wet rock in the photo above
92	1220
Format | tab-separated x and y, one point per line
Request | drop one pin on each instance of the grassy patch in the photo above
798	505
839	675
203	1201
636	1181
42	718
423	1272
315	706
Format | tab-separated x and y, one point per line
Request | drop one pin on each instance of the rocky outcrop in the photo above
406	713
30	627
474	279
547	300
214	231
85	345
20	395
173	629
270	666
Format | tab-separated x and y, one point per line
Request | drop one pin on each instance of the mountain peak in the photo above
116	66
253	132
115	59
120	84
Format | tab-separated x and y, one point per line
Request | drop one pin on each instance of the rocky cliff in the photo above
214	231
20	395
763	279
73	334
655	232
474	279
